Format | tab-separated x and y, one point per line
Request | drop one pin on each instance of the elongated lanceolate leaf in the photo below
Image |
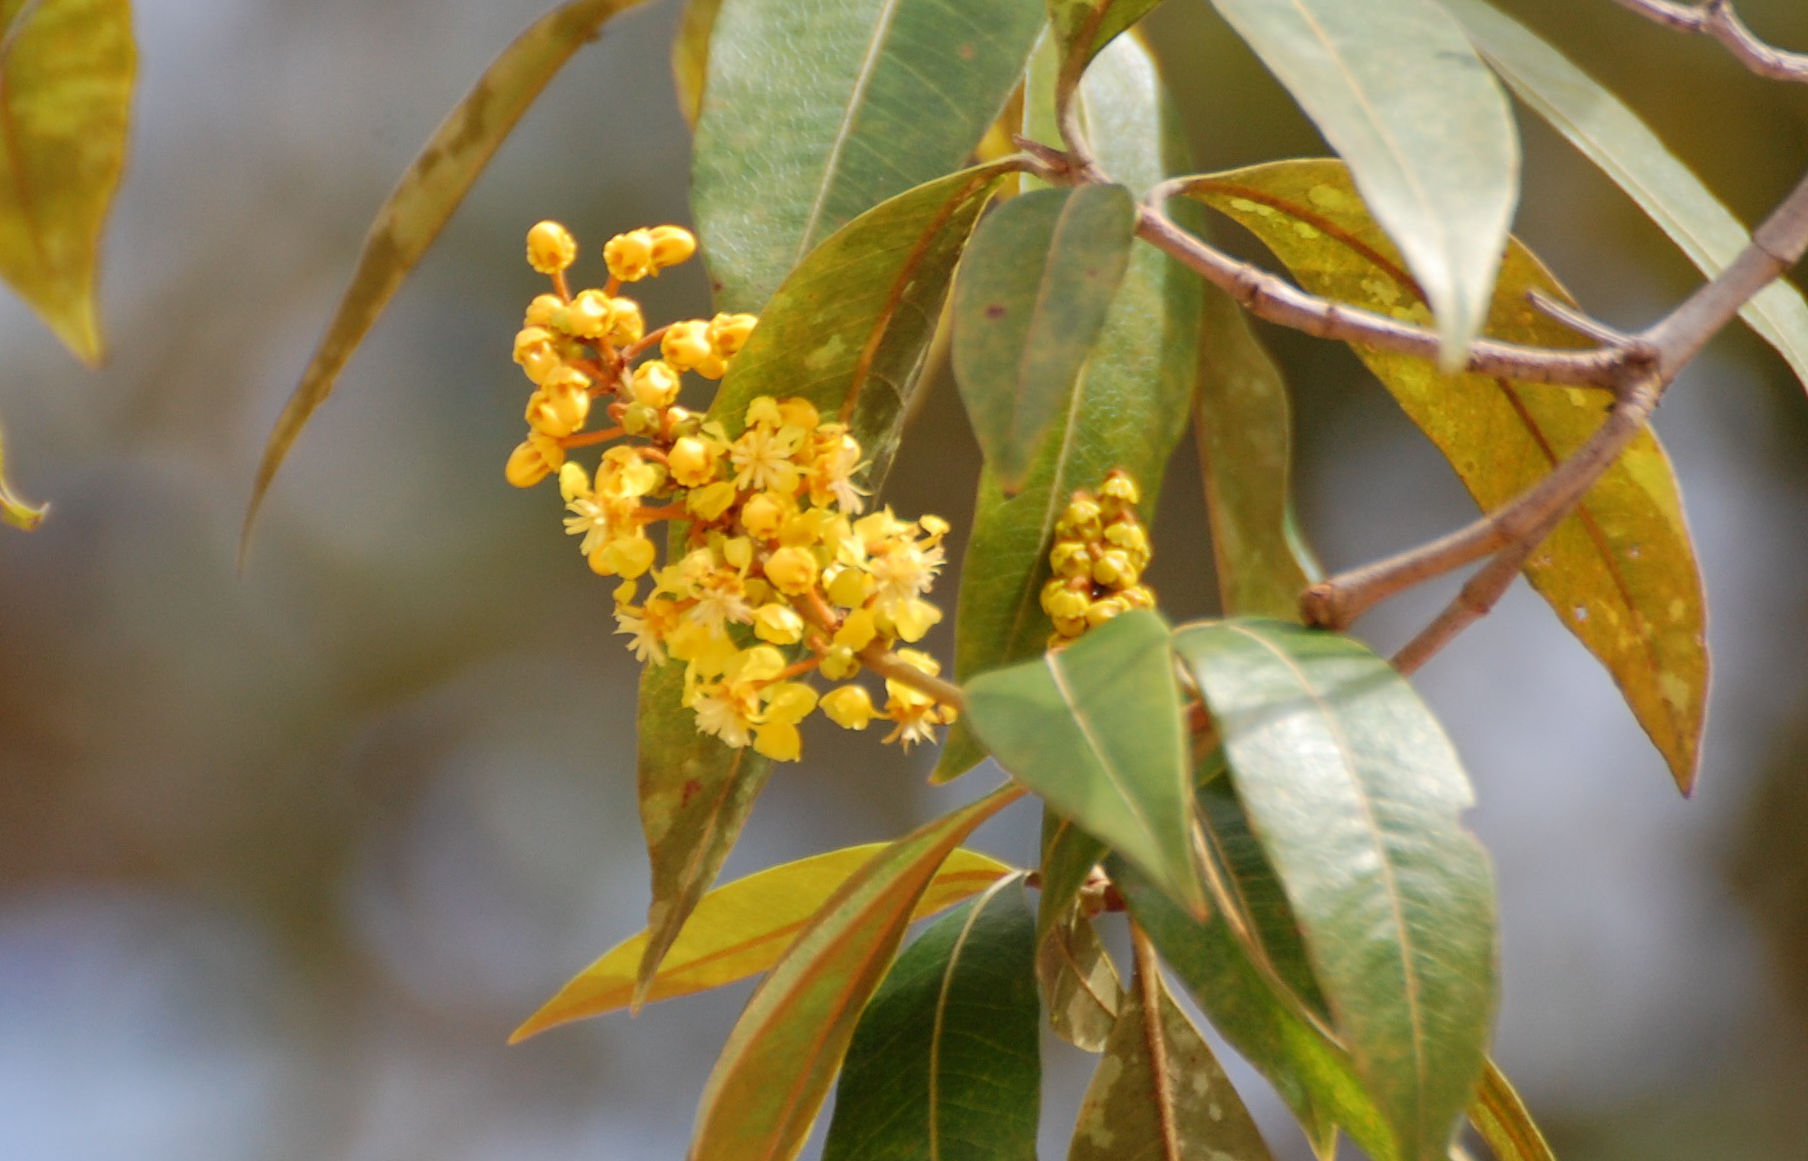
770	1080
816	110
1083	27
944	1063
1613	137
740	930
1399	93
1034	290
1243	424
1079	983
848	331
1159	1093
13	510
1502	1120
1095	729
690	55
1127	411
424	201
1621	571
1355	795
66	76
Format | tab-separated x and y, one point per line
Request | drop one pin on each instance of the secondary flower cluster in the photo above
1098	558
775	560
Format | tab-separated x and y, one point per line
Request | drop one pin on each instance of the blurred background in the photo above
285	855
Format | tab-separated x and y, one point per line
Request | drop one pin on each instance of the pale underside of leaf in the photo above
431	189
1620	572
1398	91
741	929
1612	136
67	69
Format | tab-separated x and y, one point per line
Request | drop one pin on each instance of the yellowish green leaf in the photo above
772	1076
1501	1118
13	510
66	74
741	929
1079	983
1620	572
690	55
424	200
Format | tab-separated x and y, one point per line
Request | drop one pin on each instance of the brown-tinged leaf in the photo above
66	74
1501	1118
775	1070
1621	571
1159	1093
1079	983
690	55
741	929
423	201
1243	425
13	510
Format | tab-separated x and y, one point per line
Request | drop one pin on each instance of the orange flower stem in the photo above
798	669
647	342
560	285
586	438
654	515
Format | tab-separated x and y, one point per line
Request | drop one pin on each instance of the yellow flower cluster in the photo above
776	559
1098	558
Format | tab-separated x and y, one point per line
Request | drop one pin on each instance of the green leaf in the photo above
816	110
1620	572
1128	410
66	76
1611	135
741	930
1160	1093
1243	423
13	510
771	1078
1079	984
690	55
1399	93
1083	27
848	331
1355	794
944	1064
423	202
1501	1118
1034	290
1095	729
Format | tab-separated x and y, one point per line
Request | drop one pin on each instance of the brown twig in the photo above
889	665
1717	19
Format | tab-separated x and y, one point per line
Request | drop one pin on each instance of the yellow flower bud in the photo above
686	344
849	706
839	663
624	592
1113	569
573	482
711	366
630	255
728	333
1063	603
1070	559
738	552
672	245
778	624
626	324
1120	489
543	310
692	462
655	383
557	414
590	314
1139	597
1104	609
1080	520
760	663
779	741
550	247
764	513
919	660
630	556
533	460
639	419
792	570
764	410
850	587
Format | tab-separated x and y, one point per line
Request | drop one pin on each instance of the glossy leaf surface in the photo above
1128	409
1095	729
816	110
1355	795
1612	136
690	55
1032	297
775	1070
1243	424
741	929
1399	93
66	76
14	511
1159	1093
848	331
424	200
945	1062
1620	572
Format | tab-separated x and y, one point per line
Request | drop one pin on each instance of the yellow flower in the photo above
671	245
728	333
628	556
647	629
533	460
626	324
686	344
655	383
779	741
543	310
792	571
849	706
778	624
536	353
831	476
711	500
762	458
629	256
764	513
857	630
550	247
727	710
590	314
